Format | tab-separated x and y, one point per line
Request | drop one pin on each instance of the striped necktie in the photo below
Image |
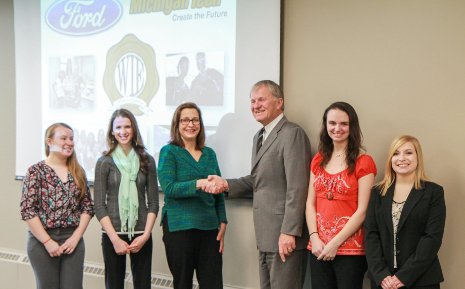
260	139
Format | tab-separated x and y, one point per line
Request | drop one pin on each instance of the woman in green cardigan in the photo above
194	221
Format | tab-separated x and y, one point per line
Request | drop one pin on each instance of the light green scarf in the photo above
128	166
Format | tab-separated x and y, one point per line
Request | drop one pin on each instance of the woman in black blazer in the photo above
405	222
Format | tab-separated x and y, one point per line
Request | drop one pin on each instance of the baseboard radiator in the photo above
159	281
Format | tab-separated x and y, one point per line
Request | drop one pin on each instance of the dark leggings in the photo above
115	265
344	272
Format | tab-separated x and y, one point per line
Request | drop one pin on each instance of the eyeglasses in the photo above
186	121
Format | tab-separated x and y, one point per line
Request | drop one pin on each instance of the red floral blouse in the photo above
55	203
336	201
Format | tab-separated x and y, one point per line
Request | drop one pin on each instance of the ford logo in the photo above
83	17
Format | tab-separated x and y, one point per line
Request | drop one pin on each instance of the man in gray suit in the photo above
279	182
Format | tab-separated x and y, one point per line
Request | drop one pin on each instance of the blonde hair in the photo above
390	175
72	163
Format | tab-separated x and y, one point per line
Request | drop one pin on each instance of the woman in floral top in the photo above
340	182
57	207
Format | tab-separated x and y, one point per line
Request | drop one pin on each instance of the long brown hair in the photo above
136	141
390	175
354	144
78	173
176	138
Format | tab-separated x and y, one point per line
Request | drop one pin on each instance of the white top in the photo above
269	127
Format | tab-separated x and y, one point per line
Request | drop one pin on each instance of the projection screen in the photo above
79	60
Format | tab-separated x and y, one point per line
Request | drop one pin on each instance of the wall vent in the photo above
94	270
98	270
10	256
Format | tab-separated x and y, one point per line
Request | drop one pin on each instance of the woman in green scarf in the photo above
126	202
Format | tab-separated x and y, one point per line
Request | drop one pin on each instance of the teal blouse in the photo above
185	206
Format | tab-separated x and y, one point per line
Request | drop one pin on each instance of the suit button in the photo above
397	252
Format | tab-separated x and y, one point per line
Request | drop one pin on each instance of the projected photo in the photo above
196	77
89	146
73	82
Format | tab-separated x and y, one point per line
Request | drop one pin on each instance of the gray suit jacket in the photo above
279	182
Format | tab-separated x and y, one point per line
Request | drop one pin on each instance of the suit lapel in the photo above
412	199
387	207
268	142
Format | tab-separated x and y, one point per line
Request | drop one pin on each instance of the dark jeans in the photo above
65	271
190	250
344	272
115	265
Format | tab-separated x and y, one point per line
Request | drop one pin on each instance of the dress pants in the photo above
61	272
193	250
344	272
276	274
115	265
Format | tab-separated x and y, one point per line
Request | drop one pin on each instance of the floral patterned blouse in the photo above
396	212
336	201
55	203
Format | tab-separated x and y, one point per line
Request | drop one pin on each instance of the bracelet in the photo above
313	233
46	240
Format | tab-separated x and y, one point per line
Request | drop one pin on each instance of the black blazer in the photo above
419	236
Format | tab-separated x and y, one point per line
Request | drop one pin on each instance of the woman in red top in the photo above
340	183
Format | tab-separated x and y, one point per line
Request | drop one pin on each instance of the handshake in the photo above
214	185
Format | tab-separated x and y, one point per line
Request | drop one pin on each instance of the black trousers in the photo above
190	250
344	272
115	265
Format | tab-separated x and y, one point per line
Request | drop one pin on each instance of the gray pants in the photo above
64	272
274	274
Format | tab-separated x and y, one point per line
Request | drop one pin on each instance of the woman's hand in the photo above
389	283
215	185
70	244
120	246
138	243
53	249
329	252
317	245
397	282
220	236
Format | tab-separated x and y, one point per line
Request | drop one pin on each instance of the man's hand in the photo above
286	245
215	185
